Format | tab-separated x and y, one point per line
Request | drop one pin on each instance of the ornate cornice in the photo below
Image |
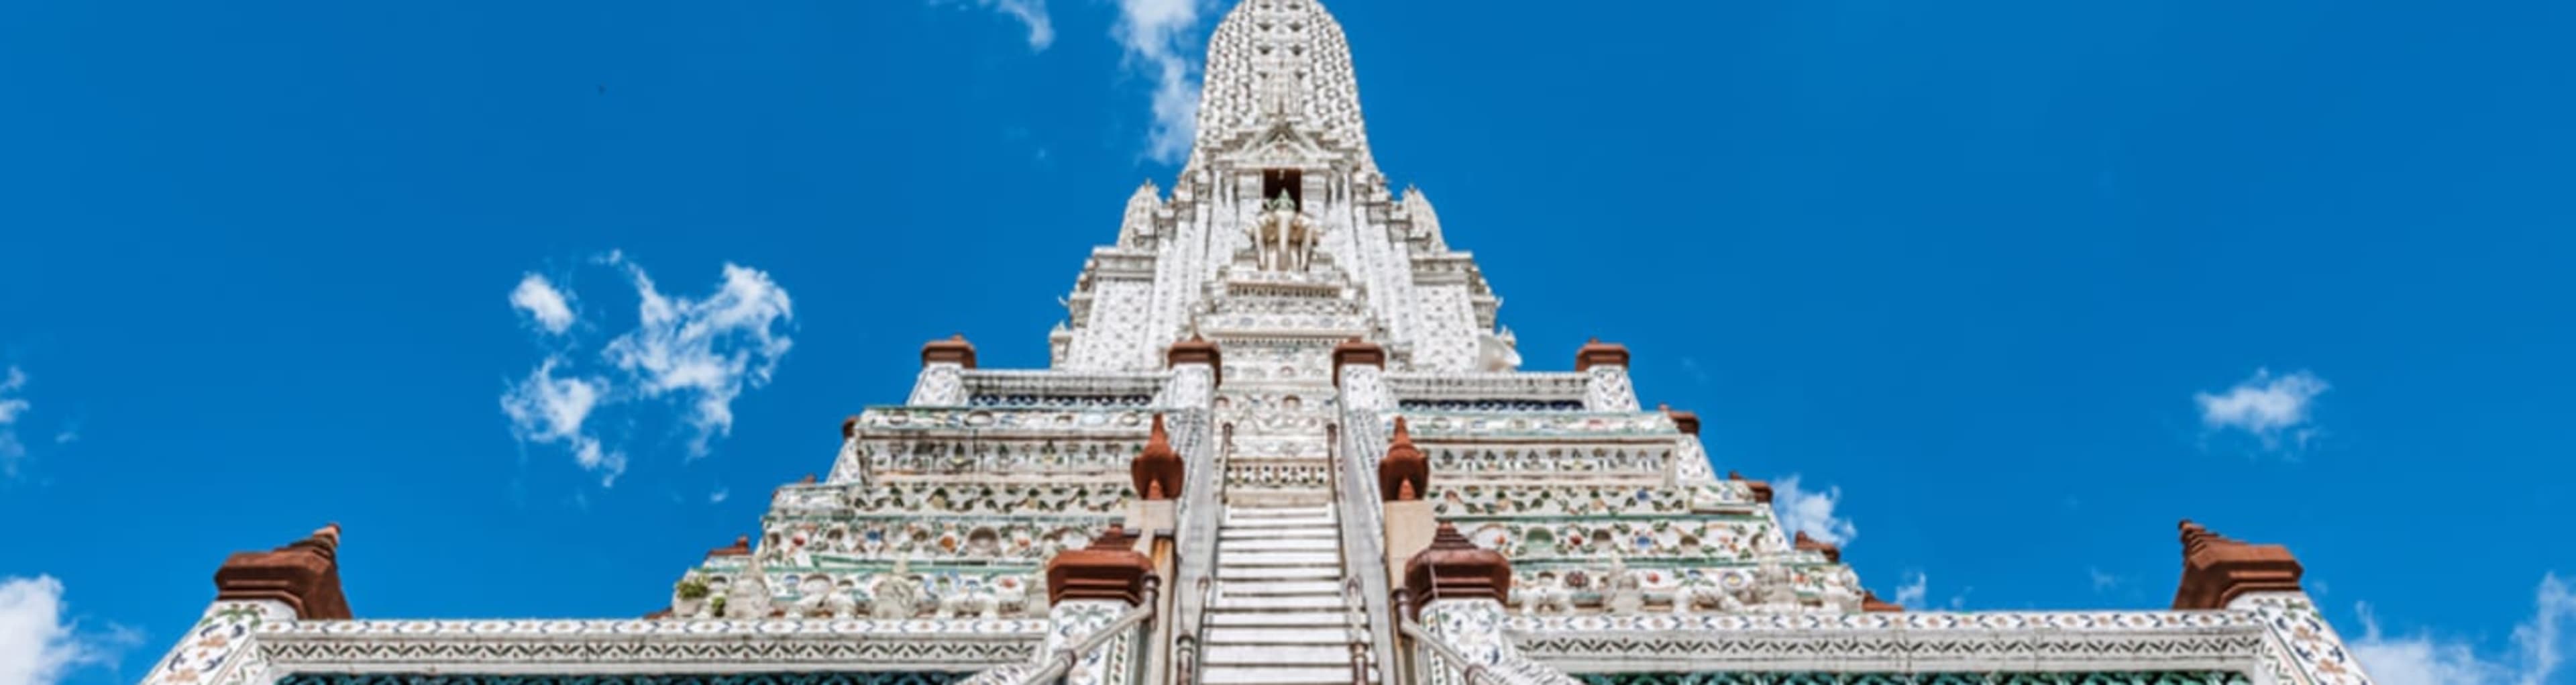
1896	642
685	646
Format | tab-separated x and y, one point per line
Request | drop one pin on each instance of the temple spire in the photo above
1279	62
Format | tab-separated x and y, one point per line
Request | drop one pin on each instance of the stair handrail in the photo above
1052	666
1509	669
1202	504
1468	668
1363	543
1063	660
1508	666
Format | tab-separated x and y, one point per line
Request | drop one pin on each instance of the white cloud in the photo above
548	306
12	405
2424	659
1030	13
719	496
1910	595
706	350
1155	34
2102	580
1811	512
37	645
548	409
2266	406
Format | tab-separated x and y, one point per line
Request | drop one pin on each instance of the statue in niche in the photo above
1550	593
1283	238
1009	595
897	596
1697	591
1621	592
960	597
844	601
748	596
813	597
1498	352
1838	598
1777	594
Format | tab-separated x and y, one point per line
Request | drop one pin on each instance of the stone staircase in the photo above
1280	615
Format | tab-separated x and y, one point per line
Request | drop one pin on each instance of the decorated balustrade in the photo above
1550	462
1472	500
1058	389
894	590
1558	391
1035	421
995	455
934	497
2016	646
640	648
1442	426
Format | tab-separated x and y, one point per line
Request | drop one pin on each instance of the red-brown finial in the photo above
1356	352
1833	553
741	547
1158	471
1454	568
954	350
1597	353
1761	489
304	575
1404	469
1110	568
1870	603
1197	350
2217	569
1686	422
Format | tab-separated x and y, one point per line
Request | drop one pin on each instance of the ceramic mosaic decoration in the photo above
1277	383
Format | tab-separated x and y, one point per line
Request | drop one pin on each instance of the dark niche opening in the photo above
1290	181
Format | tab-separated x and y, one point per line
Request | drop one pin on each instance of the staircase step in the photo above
1304	544
1226	602
1323	522
1280	619
1225	572
1279	511
1331	560
1280	655
1279	587
1243	493
1310	675
1316	635
1325	532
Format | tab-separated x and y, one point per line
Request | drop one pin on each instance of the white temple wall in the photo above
1115	337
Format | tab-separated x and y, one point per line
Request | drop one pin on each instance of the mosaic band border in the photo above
678	647
1902	643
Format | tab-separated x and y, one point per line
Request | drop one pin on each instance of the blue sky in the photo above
2008	288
